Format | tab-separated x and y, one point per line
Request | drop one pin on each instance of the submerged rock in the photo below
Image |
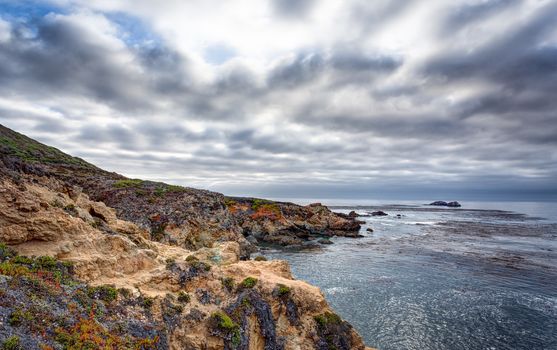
379	213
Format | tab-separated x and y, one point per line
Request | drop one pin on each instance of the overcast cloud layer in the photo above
293	98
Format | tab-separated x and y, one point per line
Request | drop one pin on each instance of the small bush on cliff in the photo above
18	317
184	297
228	283
333	332
281	290
125	292
224	321
229	202
222	325
104	293
327	318
260	258
258	203
199	265
191	258
148	302
170	263
6	252
128	183
12	343
248	282
22	260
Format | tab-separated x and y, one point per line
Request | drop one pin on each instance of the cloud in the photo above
291	97
293	8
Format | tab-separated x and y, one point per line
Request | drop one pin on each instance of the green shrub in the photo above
224	321
260	258
159	192
200	265
6	252
228	283
148	302
191	258
18	316
12	343
282	290
105	293
249	282
229	202
170	263
125	292
22	260
327	318
46	262
184	297
128	183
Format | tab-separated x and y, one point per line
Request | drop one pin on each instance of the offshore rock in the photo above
446	204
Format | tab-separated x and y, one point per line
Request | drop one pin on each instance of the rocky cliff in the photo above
93	260
176	215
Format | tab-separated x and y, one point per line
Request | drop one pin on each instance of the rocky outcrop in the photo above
446	204
289	224
264	306
153	274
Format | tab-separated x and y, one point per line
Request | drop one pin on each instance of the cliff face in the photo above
131	264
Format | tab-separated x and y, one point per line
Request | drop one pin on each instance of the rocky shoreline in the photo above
146	265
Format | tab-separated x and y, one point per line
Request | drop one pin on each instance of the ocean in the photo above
483	276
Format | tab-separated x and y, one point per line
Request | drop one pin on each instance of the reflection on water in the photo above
442	279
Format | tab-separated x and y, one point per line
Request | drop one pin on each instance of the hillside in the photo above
104	261
177	215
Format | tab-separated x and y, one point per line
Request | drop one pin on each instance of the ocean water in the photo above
480	277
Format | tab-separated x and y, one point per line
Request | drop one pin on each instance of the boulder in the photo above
324	241
454	204
379	213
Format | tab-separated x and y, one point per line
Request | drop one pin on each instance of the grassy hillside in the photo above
29	150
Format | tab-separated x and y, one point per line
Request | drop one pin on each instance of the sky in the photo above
293	98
